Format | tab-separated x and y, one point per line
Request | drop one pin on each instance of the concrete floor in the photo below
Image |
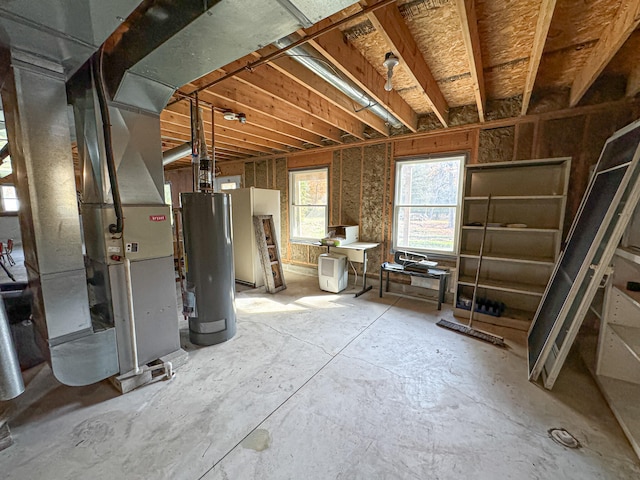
324	386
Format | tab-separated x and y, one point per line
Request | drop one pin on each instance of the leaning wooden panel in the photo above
612	195
269	253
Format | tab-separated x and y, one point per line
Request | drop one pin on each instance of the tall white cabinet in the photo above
618	363
523	236
245	203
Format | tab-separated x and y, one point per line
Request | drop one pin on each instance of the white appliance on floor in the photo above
333	274
245	203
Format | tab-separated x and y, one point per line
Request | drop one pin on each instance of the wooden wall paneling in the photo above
391	188
446	142
310	160
282	184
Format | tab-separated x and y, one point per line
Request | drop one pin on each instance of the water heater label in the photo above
157	218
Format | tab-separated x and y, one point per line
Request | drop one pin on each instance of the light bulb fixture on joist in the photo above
390	61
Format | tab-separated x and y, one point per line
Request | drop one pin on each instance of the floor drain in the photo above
564	438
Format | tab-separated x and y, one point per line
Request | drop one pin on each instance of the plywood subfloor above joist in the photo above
282	116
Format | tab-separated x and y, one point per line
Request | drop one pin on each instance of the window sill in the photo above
311	243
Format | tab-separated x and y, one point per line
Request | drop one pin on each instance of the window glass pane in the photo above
311	187
429	183
11	205
10	198
308	222
309	203
426	228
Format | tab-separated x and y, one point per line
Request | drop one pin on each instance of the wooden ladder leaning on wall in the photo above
269	253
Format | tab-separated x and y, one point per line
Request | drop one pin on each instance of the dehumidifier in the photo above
333	274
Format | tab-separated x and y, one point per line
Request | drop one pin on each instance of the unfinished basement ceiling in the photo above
288	108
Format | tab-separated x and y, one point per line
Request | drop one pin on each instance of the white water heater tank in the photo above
333	274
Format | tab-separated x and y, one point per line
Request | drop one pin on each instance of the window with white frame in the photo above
9	198
308	203
428	194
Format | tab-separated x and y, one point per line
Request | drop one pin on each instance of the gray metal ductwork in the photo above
11	383
82	311
176	153
175	43
41	45
314	62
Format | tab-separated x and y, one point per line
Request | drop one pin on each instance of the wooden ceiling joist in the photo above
253	98
346	58
624	23
394	29
223	144
313	82
545	14
273	82
469	25
255	116
222	136
182	109
171	118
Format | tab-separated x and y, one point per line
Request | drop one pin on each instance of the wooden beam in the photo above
346	58
255	116
299	73
273	82
394	29
220	138
469	24
624	23
545	14
633	82
172	118
182	109
220	143
251	97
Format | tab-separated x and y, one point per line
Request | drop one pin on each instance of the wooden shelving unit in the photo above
618	359
523	235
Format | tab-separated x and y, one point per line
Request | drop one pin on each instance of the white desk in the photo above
356	252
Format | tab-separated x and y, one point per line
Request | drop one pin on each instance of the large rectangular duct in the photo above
174	43
165	44
34	101
64	32
146	240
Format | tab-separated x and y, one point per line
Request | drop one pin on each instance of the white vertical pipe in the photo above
132	318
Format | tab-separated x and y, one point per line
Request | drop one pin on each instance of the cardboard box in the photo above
344	234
